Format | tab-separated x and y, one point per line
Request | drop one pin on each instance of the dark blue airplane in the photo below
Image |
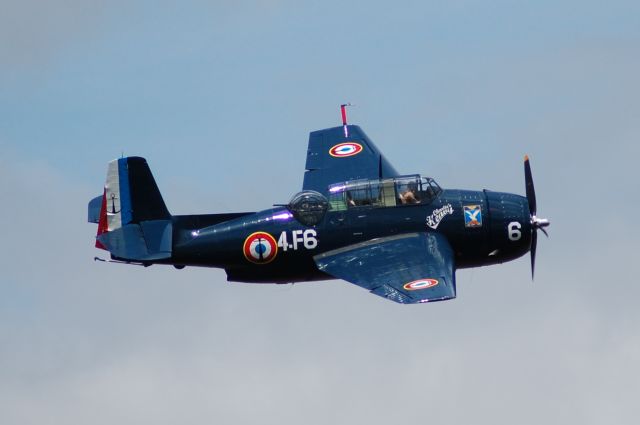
401	237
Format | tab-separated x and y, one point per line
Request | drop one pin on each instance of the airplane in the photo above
401	237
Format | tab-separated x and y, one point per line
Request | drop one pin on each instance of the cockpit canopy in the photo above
403	190
308	207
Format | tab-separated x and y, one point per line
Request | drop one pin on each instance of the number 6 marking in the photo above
513	230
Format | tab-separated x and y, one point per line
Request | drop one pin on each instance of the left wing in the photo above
409	268
333	157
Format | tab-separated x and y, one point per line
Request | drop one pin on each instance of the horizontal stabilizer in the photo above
147	241
93	213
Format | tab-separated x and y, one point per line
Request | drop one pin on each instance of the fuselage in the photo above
273	246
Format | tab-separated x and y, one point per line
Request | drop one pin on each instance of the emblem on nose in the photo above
472	215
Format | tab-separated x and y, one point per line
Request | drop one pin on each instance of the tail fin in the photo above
133	220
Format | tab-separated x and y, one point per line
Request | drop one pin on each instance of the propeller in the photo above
536	222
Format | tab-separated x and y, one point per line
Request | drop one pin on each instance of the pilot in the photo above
409	196
350	201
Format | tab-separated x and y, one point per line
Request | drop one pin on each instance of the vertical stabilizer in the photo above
133	220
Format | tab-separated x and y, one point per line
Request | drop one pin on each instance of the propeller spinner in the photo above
536	222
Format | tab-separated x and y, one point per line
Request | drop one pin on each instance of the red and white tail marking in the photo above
110	212
102	224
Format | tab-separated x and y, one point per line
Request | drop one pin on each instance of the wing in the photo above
333	157
409	268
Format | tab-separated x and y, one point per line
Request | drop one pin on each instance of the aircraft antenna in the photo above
343	111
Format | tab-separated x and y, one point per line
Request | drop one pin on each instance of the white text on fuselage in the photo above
305	238
437	215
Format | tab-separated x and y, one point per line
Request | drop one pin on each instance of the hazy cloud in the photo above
84	341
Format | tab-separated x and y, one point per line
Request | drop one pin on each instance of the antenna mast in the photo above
343	111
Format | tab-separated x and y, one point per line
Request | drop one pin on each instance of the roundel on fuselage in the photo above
260	248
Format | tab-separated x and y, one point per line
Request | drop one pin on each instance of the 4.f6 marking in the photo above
305	238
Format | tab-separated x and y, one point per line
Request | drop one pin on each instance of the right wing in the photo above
333	157
408	268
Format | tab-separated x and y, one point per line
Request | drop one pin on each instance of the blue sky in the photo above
220	97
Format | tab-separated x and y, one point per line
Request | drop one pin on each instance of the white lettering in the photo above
437	215
310	241
282	241
513	230
297	237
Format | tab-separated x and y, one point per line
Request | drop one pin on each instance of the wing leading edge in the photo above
333	157
409	268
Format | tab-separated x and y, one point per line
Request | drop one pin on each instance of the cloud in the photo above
85	341
34	31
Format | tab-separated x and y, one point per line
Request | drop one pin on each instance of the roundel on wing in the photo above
343	150
420	284
260	248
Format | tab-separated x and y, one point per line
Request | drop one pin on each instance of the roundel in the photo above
420	284
260	248
342	150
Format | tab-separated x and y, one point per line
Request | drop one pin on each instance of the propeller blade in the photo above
536	222
534	243
531	192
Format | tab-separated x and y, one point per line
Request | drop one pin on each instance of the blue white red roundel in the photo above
420	284
260	248
342	150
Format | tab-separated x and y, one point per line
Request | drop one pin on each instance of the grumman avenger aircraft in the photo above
401	237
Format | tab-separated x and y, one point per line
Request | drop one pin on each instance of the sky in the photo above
220	96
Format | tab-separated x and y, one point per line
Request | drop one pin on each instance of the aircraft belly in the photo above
303	271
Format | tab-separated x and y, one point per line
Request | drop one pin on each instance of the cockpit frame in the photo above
383	193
